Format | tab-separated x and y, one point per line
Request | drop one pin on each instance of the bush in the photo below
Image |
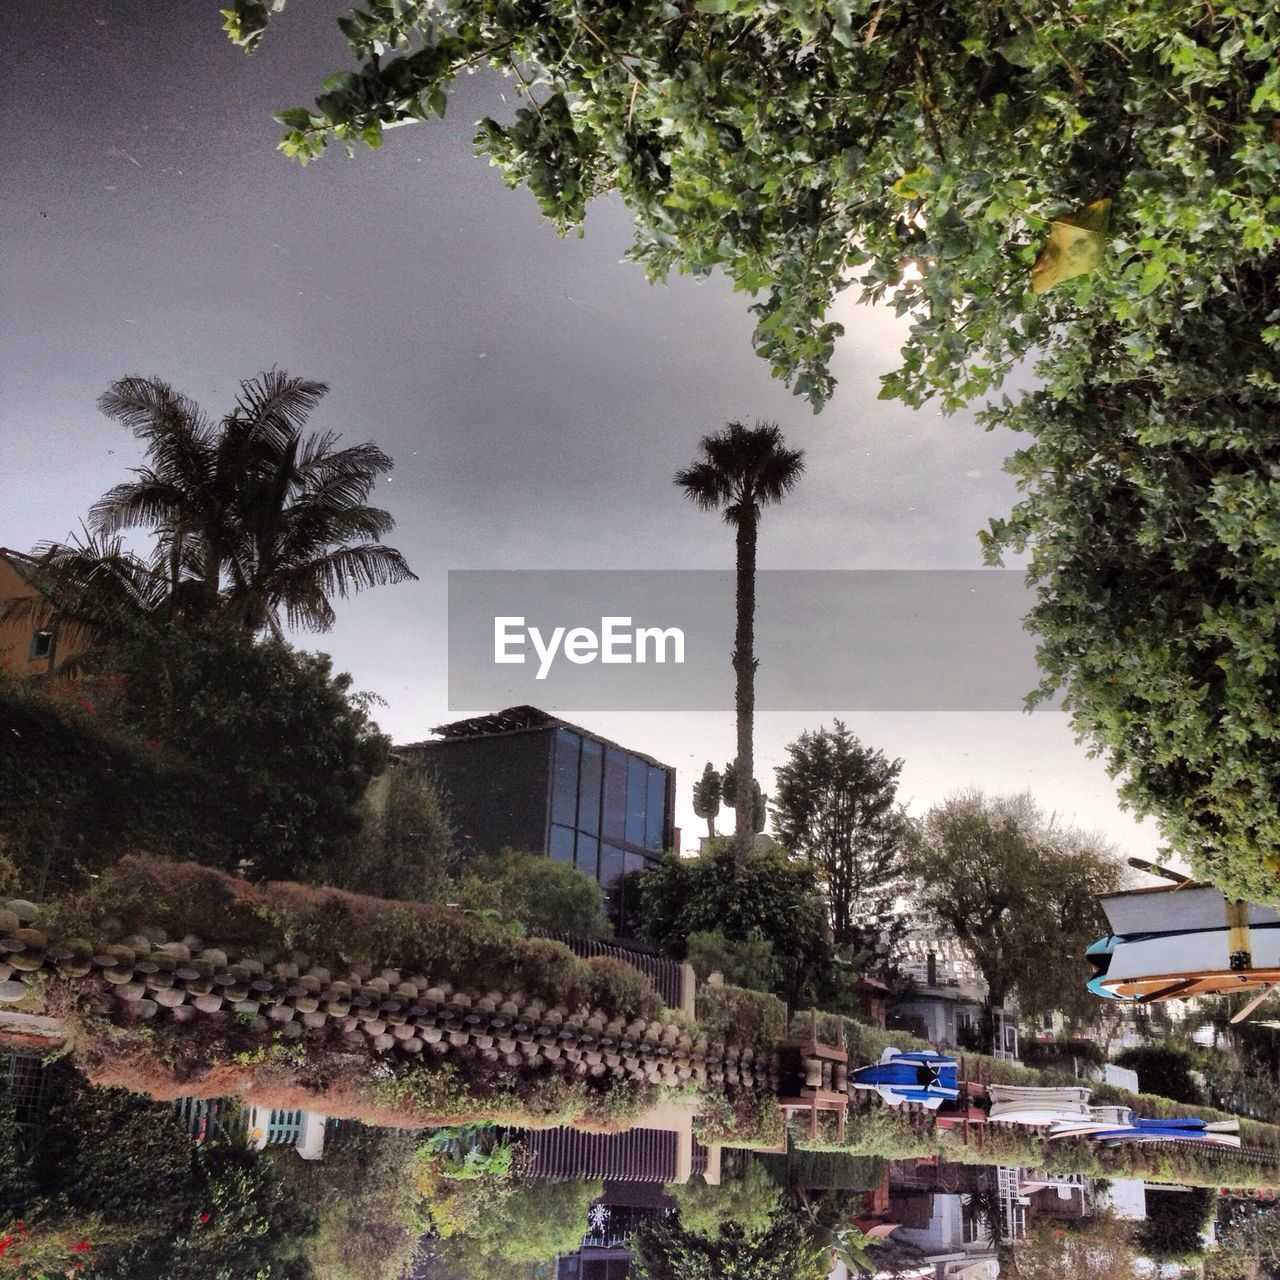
17	1184
1165	1070
745	963
405	850
743	1017
788	1250
368	1209
121	1174
823	1170
203	744
534	892
114	1154
77	792
490	1224
1174	1224
746	1196
770	898
1060	1053
285	750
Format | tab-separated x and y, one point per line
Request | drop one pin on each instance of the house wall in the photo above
945	1232
16	634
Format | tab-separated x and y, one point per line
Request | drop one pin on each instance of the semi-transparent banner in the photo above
661	640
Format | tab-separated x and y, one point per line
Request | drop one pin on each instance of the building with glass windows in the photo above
523	779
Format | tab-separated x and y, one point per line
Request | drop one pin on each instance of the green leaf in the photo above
295	117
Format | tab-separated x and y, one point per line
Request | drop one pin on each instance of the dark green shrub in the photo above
115	1154
366	1204
201	743
788	1250
746	962
406	847
614	984
1060	1053
771	898
1165	1070
534	892
1174	1223
77	792
286	751
746	1195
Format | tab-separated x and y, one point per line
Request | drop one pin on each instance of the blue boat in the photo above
1225	1133
1114	1125
913	1076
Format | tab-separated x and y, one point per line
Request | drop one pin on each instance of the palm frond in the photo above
705	485
741	469
275	405
341	572
93	583
150	407
147	501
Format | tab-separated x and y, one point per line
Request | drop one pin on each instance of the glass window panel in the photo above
588	855
624	901
564	789
656	810
612	865
637	786
562	844
615	794
589	786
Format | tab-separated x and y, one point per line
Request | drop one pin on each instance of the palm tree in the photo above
740	470
251	517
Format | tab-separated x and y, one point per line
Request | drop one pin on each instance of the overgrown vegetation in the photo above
368	1208
747	1196
666	1249
500	1224
202	742
533	892
1164	1069
117	1184
338	930
768	898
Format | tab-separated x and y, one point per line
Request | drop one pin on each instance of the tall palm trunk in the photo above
744	694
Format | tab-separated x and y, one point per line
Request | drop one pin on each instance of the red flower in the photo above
204	1217
5	1242
83	1247
22	1226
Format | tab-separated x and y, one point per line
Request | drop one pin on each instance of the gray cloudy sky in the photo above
536	394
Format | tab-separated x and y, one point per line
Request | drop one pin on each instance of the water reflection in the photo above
105	1183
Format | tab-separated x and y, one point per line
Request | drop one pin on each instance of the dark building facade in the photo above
521	778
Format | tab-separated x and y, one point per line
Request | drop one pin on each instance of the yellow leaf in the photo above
1074	246
905	185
